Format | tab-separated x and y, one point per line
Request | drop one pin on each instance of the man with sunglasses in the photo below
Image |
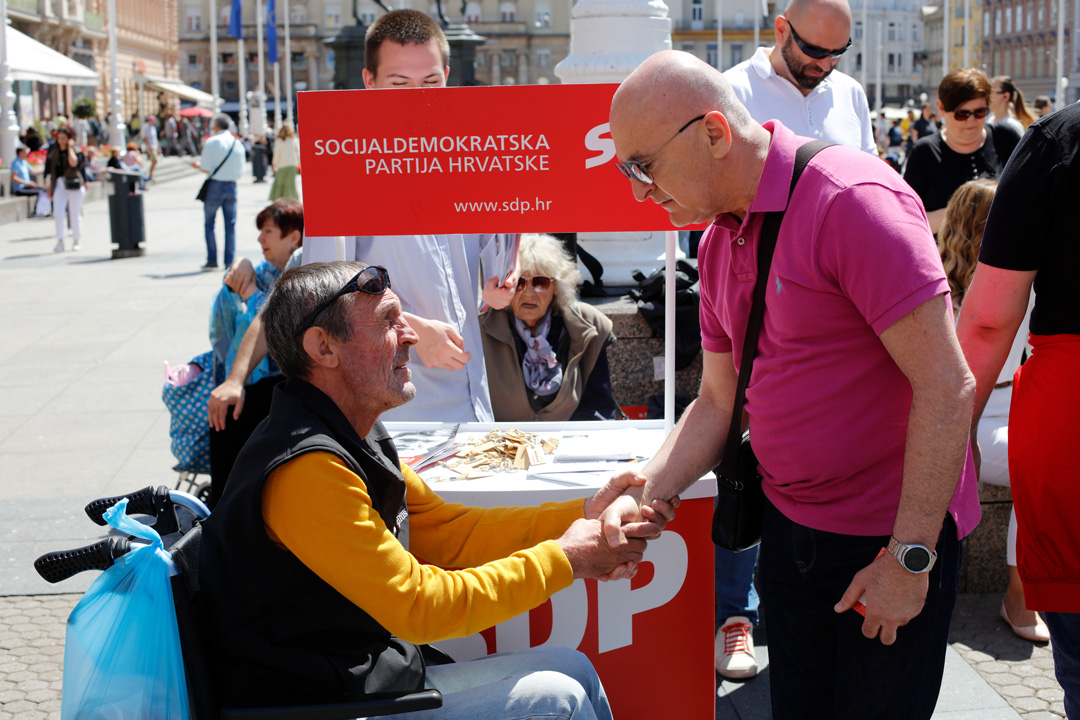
859	401
307	576
796	81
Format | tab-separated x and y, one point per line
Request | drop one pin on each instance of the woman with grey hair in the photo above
546	354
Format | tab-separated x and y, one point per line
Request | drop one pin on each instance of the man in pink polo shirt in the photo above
860	400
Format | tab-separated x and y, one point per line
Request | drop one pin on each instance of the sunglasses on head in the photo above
979	113
814	51
540	283
373	280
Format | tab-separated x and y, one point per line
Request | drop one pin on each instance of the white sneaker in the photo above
76	246
59	246
735	657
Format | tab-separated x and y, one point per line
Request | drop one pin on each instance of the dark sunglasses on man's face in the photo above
539	283
979	113
814	51
373	280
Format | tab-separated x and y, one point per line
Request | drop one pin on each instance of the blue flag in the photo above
271	32
236	24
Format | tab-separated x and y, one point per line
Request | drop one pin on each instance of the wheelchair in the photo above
181	532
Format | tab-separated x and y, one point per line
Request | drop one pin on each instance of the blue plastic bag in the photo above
122	659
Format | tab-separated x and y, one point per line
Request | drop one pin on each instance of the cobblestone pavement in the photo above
32	657
1020	671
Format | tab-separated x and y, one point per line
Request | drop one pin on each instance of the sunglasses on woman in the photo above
539	283
372	280
979	113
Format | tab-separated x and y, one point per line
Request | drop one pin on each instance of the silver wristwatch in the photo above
913	558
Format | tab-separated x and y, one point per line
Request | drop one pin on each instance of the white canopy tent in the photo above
31	60
203	99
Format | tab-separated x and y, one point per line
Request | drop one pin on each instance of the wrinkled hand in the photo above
241	274
228	393
498	295
894	597
591	556
616	505
440	346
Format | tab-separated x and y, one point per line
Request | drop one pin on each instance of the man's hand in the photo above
591	556
894	597
440	346
498	295
228	393
617	505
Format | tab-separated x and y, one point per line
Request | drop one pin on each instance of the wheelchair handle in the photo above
148	501
63	564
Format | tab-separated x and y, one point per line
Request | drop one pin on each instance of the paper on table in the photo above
608	446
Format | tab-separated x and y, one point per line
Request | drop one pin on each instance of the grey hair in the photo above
222	121
545	255
294	296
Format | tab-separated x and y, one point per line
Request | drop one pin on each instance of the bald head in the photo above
665	93
831	12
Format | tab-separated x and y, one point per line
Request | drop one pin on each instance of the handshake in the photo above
609	542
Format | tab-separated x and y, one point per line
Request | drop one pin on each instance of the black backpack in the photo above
649	296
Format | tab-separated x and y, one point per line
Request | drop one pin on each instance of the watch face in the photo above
916	559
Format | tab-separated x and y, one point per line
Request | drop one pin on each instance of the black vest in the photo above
278	633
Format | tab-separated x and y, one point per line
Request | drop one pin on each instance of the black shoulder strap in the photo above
770	229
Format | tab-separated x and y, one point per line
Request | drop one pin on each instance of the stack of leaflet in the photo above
580	460
422	449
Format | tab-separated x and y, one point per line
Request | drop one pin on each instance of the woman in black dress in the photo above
967	147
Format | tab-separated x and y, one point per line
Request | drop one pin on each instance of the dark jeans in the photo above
1065	640
821	665
220	195
225	445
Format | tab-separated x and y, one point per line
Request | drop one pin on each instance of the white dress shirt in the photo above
437	277
836	110
214	151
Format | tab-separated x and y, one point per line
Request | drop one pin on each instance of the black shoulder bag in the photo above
201	197
740	500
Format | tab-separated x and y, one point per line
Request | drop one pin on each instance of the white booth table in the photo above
653	632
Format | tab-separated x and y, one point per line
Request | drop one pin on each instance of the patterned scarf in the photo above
543	372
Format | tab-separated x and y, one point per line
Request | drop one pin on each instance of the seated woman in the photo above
546	354
245	288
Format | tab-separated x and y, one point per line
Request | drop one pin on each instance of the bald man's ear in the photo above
719	133
321	348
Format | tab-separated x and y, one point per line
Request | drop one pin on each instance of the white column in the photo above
258	98
945	56
523	67
9	125
215	89
277	96
116	124
757	24
496	67
877	74
1062	71
608	39
242	126
288	68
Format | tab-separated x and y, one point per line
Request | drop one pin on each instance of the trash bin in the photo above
259	162
126	214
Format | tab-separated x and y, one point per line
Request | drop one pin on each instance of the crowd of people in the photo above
919	337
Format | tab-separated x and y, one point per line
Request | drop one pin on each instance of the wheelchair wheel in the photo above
202	491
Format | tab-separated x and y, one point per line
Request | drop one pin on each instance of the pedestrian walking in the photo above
63	167
223	158
285	164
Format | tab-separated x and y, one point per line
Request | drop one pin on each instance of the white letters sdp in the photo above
603	145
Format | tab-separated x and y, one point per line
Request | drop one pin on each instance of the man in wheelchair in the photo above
310	583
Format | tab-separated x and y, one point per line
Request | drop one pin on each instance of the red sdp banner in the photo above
464	160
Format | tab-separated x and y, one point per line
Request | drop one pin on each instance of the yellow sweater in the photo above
320	511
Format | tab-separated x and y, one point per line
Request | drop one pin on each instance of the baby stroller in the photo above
180	535
186	394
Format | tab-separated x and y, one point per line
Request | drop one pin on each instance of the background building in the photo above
1019	38
891	41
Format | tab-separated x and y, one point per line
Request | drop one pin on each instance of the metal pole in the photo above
215	90
258	104
1062	76
288	69
945	59
242	126
757	26
865	42
877	73
719	34
277	96
671	236
116	124
967	33
9	124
